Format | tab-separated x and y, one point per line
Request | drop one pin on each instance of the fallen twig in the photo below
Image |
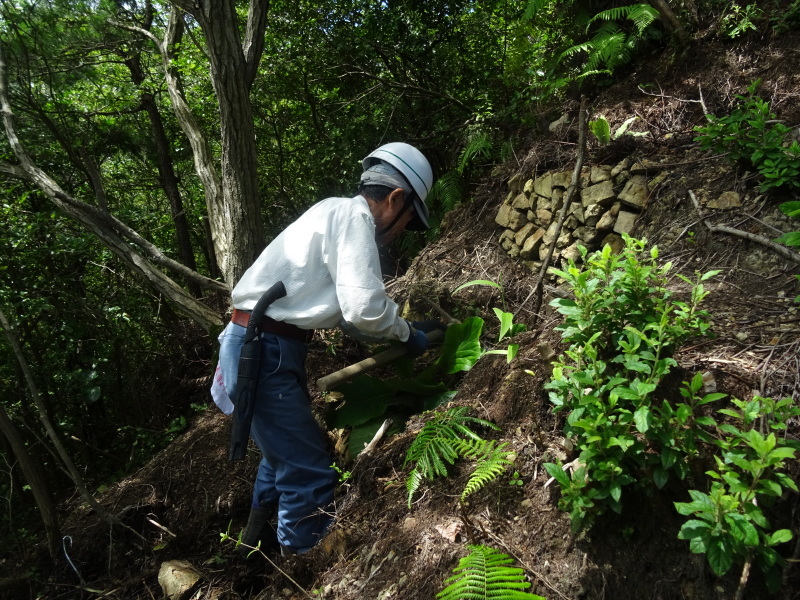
573	189
782	250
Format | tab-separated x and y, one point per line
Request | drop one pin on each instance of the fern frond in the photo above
533	8
447	192
642	15
478	145
412	484
492	459
483	574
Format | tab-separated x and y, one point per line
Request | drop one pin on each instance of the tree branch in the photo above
88	216
573	189
782	250
253	45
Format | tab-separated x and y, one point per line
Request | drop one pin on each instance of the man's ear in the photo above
396	197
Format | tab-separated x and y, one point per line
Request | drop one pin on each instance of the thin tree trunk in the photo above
169	181
72	470
34	475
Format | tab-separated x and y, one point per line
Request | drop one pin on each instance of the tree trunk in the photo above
34	475
169	181
236	222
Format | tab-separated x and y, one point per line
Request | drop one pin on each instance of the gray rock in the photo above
634	194
510	218
544	249
523	233
615	241
621	178
623	165
177	578
565	238
587	235
521	202
528	187
571	252
601	193
607	221
543	186
550	234
544	217
625	222
557	200
600	173
727	200
515	183
531	246
559	124
592	215
562	179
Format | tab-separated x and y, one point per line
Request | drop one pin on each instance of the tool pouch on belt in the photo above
247	382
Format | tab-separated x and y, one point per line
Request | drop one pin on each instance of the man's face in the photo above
386	211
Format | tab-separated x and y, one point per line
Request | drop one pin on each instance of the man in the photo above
328	262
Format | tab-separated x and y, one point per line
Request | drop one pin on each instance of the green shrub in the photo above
729	523
623	327
753	137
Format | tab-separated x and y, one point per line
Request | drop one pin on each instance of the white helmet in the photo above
414	167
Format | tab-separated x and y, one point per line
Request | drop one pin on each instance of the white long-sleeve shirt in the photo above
328	261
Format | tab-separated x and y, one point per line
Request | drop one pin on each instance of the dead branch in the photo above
573	189
782	250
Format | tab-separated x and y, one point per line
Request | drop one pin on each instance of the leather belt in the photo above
269	325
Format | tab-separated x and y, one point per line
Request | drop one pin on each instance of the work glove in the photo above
417	342
428	326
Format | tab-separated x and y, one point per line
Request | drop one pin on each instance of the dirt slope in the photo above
379	548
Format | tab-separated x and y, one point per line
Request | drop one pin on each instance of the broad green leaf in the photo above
693	529
719	555
365	399
556	472
642	419
779	537
660	477
742	529
462	347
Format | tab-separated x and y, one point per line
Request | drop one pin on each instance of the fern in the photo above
492	459
479	144
448	191
439	444
484	574
611	47
642	16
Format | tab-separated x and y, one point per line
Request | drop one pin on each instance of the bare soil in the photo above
379	549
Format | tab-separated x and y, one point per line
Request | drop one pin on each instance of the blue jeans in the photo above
295	471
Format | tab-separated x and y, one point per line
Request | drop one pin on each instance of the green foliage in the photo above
492	459
444	439
612	46
792	209
753	137
484	573
622	327
601	129
738	20
729	523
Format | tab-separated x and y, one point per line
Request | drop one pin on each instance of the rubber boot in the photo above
259	529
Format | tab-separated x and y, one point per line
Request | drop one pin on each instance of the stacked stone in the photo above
609	203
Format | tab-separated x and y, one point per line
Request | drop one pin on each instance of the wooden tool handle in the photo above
337	378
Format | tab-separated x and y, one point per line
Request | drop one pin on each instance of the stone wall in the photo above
608	205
